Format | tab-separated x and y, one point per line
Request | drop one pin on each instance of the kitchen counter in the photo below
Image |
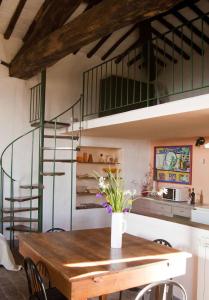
162	207
174	219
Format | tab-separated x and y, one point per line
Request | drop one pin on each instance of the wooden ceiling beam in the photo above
51	15
121	39
104	18
190	26
98	45
170	43
164	53
135	59
199	12
180	34
14	19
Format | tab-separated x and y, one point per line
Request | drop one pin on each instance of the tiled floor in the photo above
13	286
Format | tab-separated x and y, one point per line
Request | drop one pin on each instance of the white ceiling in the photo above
182	125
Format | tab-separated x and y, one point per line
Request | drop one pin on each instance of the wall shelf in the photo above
99	163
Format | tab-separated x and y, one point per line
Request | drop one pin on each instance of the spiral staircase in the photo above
37	154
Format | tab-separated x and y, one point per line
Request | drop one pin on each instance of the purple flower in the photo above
126	210
99	196
109	209
107	206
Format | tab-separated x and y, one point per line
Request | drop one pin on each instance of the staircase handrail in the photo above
27	133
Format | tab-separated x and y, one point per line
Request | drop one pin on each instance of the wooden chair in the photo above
137	289
164	289
55	229
37	290
162	242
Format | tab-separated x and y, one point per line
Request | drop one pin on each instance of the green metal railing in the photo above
28	150
164	69
35	103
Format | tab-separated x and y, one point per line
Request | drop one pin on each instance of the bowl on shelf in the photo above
81	189
112	170
92	190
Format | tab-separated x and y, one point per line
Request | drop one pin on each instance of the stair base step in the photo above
51	124
18	219
32	187
19	209
21	228
21	199
53	174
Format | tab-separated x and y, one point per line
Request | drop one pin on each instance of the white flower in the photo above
129	193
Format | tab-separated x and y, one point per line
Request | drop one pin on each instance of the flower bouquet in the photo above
118	201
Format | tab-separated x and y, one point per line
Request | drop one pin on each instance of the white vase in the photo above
117	229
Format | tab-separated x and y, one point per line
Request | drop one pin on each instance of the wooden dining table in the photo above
82	265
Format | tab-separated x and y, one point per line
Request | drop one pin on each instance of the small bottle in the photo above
192	197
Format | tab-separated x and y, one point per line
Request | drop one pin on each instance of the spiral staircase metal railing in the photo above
25	159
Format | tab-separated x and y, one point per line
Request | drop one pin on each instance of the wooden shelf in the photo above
98	163
86	193
85	177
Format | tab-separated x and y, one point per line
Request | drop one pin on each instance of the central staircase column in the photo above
41	148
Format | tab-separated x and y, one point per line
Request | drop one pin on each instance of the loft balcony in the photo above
146	81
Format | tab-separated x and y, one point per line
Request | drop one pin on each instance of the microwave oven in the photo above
176	194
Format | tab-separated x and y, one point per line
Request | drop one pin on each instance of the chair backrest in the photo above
162	242
165	289
35	283
55	229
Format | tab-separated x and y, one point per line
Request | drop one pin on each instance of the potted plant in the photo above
117	202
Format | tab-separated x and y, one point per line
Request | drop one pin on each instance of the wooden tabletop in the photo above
82	258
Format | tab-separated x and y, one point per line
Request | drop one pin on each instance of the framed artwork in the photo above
173	164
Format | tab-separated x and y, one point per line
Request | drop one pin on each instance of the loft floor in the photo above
177	119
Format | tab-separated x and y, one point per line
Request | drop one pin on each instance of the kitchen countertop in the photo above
175	219
173	203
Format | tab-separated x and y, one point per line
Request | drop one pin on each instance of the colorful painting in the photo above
173	164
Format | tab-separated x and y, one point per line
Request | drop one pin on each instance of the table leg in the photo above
103	297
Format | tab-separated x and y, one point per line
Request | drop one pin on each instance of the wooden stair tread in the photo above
51	124
60	160
18	219
48	136
21	228
61	148
32	187
18	209
53	173
21	198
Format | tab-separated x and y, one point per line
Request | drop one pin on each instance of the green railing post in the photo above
41	150
1	196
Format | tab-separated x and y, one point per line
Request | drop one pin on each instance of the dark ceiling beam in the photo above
164	53
170	43
190	26
158	61
104	18
180	34
91	3
199	12
51	15
135	59
98	45
14	19
134	45
117	44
